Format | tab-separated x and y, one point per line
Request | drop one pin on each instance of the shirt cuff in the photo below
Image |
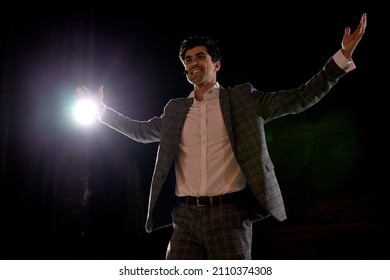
344	63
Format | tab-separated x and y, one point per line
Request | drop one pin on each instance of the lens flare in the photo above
84	111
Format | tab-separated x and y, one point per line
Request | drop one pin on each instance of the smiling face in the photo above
202	71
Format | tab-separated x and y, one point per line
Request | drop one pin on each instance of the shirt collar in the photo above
211	93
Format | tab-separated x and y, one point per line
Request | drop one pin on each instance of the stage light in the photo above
84	111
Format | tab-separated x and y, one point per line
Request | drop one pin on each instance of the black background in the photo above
75	192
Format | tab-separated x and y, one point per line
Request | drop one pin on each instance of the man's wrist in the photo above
343	62
100	112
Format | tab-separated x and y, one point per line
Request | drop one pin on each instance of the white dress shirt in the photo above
205	164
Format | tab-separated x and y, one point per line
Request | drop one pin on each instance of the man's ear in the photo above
217	65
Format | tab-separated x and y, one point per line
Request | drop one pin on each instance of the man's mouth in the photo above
195	71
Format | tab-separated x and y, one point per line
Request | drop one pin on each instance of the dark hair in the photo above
194	41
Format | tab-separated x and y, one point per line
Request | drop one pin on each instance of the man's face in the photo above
201	69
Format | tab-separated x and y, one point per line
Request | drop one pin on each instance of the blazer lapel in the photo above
224	100
179	115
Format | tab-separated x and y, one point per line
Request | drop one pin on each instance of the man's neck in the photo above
199	91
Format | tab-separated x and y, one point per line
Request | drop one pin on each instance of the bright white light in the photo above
84	111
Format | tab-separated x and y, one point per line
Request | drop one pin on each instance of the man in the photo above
213	175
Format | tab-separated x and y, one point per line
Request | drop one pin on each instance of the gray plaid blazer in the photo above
245	110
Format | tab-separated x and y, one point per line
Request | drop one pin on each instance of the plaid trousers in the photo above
210	232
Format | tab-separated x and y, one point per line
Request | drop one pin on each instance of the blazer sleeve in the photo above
275	104
141	131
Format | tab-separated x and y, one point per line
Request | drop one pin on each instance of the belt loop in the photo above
211	201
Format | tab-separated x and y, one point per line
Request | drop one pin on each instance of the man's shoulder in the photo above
240	88
179	102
